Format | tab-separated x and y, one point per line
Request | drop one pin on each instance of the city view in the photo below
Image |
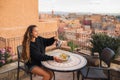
84	28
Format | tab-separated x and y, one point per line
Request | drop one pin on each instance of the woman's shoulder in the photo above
39	38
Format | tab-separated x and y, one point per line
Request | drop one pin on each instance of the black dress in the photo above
37	51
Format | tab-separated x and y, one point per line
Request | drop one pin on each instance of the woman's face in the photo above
35	32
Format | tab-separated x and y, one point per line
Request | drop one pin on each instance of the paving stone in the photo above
59	76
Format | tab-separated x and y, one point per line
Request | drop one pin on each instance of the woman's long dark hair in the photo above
26	43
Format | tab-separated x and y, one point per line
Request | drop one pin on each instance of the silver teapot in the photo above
58	44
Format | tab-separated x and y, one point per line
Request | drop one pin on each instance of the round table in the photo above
74	63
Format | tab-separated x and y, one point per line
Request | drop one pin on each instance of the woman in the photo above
34	52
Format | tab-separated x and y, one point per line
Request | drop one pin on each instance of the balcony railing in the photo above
80	39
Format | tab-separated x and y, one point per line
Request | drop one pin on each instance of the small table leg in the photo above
73	75
78	75
53	75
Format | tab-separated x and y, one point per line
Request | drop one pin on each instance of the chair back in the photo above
19	51
24	68
107	55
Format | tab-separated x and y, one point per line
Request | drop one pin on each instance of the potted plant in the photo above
72	45
100	41
6	56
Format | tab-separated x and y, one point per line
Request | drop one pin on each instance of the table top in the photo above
75	62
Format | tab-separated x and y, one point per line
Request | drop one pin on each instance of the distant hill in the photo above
80	13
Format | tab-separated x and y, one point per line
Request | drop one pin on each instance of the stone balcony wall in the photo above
13	36
15	41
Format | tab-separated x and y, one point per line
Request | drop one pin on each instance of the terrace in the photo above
17	15
9	71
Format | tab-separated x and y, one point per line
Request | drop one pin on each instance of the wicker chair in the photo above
90	72
24	68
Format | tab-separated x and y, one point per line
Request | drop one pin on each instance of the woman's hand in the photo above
56	38
57	59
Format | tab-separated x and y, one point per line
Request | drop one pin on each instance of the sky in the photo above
93	6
